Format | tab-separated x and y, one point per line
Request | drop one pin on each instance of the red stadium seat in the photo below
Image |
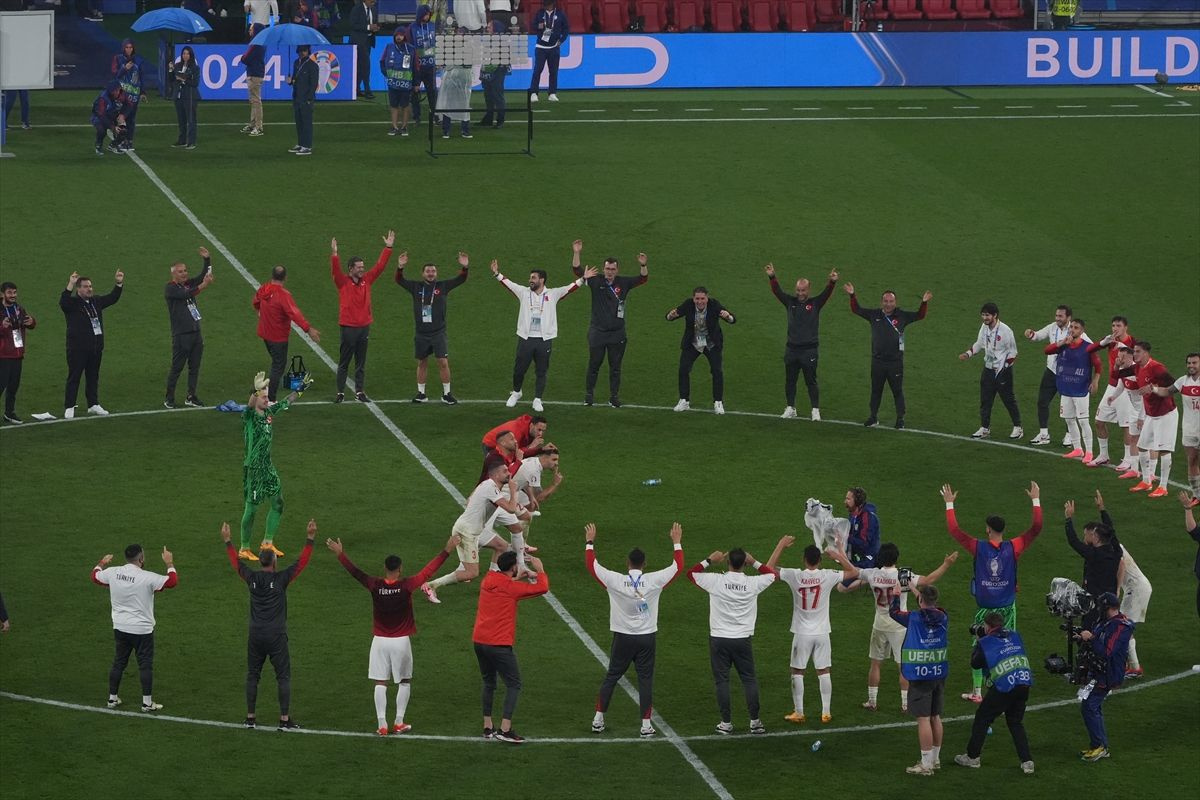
614	16
1007	9
795	14
726	17
653	14
688	14
579	15
972	9
903	9
937	9
763	16
829	10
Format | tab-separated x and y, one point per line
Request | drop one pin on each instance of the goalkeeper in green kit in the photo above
260	481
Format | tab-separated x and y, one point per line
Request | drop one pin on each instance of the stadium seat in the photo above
1007	9
688	14
614	16
653	14
725	16
937	9
903	9
579	15
873	12
763	16
829	10
972	9
795	14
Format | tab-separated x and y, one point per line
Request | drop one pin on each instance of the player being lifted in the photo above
260	481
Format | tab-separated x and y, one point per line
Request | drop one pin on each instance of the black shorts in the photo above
399	98
435	344
925	698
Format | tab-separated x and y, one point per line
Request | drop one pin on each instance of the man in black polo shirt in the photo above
1101	552
268	622
187	345
429	313
804	319
85	339
606	333
887	347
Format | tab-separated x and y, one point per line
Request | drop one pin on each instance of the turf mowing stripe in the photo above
701	768
813	731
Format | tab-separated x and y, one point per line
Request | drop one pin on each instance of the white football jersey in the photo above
881	581
810	598
480	506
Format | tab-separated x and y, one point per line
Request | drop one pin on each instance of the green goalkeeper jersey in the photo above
259	476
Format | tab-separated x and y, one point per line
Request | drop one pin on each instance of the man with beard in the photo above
804	318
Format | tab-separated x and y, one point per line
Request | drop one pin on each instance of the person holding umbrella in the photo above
185	74
303	79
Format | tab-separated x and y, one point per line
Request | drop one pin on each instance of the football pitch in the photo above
1025	197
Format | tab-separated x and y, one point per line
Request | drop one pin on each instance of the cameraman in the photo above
1101	554
1002	653
1109	642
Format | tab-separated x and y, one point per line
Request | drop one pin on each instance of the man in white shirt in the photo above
999	348
732	612
811	588
261	11
1135	598
498	491
887	635
1057	332
530	492
633	619
537	327
131	591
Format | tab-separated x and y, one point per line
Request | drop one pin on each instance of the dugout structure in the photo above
474	50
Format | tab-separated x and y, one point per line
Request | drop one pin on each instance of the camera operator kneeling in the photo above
1001	653
1106	647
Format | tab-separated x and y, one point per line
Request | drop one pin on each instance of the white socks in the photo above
937	754
1164	466
445	388
798	694
826	683
445	580
403	691
1194	482
1148	466
1132	657
1074	433
1085	434
518	546
927	759
904	698
1102	444
147	700
872	694
1130	454
420	388
381	704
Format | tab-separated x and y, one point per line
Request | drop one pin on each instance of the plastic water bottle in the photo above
652	482
989	730
816	745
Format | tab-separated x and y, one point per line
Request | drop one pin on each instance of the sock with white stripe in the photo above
826	683
381	704
1149	467
1102	445
1132	656
872	694
1130	454
798	694
1164	469
403	692
1085	434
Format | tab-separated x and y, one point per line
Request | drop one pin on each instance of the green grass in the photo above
1098	211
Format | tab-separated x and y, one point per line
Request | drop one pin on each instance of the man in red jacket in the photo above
354	313
13	324
495	632
276	313
529	430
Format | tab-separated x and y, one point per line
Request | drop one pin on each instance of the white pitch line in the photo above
697	109
1153	91
806	108
1071	106
860	108
426	737
1012	107
912	108
965	107
1123	105
643	110
756	108
697	764
591	110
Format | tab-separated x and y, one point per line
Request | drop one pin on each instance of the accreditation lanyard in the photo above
427	305
94	315
616	293
13	313
535	314
643	608
991	349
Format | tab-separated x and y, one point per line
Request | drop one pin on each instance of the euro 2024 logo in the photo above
330	70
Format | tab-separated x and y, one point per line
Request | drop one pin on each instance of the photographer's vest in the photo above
1074	371
1064	8
925	654
1007	662
995	581
398	67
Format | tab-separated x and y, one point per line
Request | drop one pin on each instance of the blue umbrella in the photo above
171	19
288	35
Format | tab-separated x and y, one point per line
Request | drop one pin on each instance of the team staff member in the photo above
304	78
254	60
550	28
364	22
1002	653
530	432
1057	331
277	311
494	635
85	339
606	332
354	313
732	612
429	313
1109	642
131	590
268	637
863	536
13	324
702	336
1189	522
1101	552
800	355
994	584
888	324
925	664
999	347
537	327
187	343
392	611
633	597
